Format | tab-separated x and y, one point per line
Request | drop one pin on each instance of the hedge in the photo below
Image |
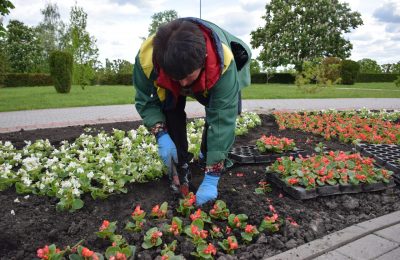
261	78
115	79
376	77
27	79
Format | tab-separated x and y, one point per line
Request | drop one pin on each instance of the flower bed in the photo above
345	126
99	164
31	222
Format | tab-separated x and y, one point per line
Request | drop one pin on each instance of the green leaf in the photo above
75	257
77	204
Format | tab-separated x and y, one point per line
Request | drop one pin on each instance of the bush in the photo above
262	78
61	70
27	79
259	78
114	79
331	69
397	82
349	72
376	77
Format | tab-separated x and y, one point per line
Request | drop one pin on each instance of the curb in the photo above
339	238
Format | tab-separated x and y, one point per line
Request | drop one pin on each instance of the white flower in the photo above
25	179
90	175
80	170
16	200
26	197
31	163
12	212
66	184
107	160
17	157
76	192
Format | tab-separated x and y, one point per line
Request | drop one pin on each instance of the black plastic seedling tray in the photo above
250	154
385	155
301	193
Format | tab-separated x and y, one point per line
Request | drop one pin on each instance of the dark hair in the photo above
179	48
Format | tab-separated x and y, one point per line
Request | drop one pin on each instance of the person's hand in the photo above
208	189
167	152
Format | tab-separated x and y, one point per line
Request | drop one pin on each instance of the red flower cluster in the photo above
118	256
137	212
210	249
342	126
155	236
174	229
190	200
198	233
105	225
44	253
232	244
249	229
275	144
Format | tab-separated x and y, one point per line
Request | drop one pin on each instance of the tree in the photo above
369	66
22	48
391	68
396	68
387	68
161	18
5	7
254	67
301	30
82	46
50	31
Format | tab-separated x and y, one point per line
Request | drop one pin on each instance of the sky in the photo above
119	25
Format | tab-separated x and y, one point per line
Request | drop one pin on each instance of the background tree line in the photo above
297	36
26	49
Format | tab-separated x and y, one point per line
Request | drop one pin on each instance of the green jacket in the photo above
222	109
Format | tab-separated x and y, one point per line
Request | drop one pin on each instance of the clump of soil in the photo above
37	223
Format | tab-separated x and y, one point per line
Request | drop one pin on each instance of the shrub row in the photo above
261	78
376	77
287	78
27	79
41	79
115	79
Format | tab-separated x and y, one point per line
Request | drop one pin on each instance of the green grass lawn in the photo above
26	98
359	90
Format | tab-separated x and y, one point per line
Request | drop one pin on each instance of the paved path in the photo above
374	239
48	118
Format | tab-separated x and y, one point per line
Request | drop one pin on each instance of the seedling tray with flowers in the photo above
385	155
266	150
328	174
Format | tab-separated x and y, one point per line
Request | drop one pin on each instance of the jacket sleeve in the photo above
147	102
221	114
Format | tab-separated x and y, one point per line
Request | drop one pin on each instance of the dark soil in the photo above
37	223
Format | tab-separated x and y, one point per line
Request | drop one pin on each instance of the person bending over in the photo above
196	58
